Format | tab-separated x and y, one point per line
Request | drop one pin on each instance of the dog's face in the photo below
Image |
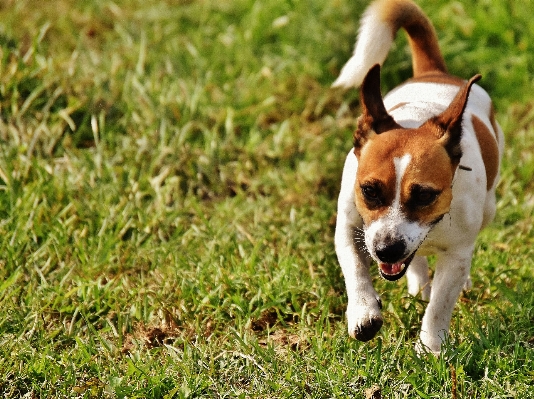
404	179
403	188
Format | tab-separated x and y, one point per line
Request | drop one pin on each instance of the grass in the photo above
168	180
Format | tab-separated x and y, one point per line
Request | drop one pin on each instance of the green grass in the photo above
168	180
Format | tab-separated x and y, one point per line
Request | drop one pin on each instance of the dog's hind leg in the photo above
418	279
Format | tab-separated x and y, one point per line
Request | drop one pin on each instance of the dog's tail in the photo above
379	25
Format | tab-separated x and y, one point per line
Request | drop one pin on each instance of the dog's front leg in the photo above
452	272
363	311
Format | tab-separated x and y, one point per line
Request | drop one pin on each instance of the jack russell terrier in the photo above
420	179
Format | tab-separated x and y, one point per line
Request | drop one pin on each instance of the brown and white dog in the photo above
420	179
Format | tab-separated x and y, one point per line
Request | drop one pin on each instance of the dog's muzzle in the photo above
392	261
394	271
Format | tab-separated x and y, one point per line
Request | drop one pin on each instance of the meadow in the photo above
169	172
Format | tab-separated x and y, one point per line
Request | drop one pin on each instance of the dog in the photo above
420	179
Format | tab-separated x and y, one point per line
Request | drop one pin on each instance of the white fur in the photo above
372	47
401	164
395	223
418	279
452	240
363	300
424	100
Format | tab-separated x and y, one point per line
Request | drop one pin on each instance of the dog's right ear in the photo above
447	126
374	119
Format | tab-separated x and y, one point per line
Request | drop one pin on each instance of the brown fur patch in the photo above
488	148
438	77
422	37
374	119
429	166
376	166
449	123
399	105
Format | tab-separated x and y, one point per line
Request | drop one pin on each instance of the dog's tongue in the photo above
391	269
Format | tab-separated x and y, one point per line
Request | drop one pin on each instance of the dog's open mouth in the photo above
394	271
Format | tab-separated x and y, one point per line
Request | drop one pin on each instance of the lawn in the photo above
168	182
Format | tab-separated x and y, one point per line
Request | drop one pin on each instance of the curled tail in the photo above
379	25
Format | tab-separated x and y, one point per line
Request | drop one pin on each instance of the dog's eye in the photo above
372	194
423	196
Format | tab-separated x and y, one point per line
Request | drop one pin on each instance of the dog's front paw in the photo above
367	329
364	321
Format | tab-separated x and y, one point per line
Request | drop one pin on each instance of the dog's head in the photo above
404	179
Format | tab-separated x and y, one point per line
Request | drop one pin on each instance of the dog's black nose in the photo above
391	252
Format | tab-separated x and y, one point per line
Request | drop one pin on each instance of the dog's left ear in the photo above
374	119
448	125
